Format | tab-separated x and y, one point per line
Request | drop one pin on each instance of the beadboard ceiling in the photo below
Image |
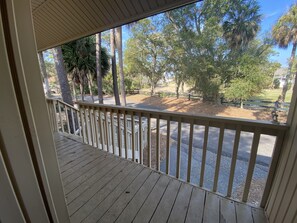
60	21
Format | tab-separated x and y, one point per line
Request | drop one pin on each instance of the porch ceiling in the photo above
57	22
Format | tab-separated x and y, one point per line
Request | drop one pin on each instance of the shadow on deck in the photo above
101	187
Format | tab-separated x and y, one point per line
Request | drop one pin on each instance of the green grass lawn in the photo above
272	95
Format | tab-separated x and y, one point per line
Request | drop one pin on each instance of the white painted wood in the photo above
178	149
218	161
191	136
34	120
251	166
204	155
10	210
233	161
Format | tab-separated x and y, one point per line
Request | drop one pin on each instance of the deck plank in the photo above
164	208
78	167
227	211
77	186
135	204
101	187
211	209
149	206
102	201
258	215
179	210
196	206
243	213
84	194
122	200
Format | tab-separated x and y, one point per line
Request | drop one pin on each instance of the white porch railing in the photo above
173	142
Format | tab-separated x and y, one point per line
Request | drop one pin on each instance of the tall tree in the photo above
98	67
242	23
62	75
284	33
44	74
114	67
145	52
119	45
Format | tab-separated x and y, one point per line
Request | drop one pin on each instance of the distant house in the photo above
280	74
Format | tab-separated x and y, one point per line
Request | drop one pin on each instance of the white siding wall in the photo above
282	203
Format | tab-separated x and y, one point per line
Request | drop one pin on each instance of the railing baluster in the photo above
190	150
251	165
87	125
83	134
55	115
233	161
112	130
149	140
204	155
91	126
60	114
79	126
125	135
158	144
72	119
178	149
102	141
106	129
133	136
140	138
168	146
67	119
96	126
119	133
219	155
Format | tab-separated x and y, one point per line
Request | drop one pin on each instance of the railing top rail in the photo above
230	123
62	102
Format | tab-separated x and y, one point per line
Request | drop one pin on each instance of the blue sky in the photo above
271	11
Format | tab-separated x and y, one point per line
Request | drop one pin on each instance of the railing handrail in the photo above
62	102
230	123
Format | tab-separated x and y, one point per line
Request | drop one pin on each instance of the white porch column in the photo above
28	161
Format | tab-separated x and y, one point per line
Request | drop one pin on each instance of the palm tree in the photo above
80	61
113	67
99	68
284	33
44	74
242	23
119	45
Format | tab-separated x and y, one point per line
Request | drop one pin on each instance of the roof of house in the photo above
57	22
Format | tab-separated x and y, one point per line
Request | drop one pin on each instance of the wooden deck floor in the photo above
100	187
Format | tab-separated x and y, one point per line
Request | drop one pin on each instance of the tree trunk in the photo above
98	67
152	88
289	74
62	76
81	86
177	89
89	77
114	68
44	74
63	81
74	90
241	103
121	66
